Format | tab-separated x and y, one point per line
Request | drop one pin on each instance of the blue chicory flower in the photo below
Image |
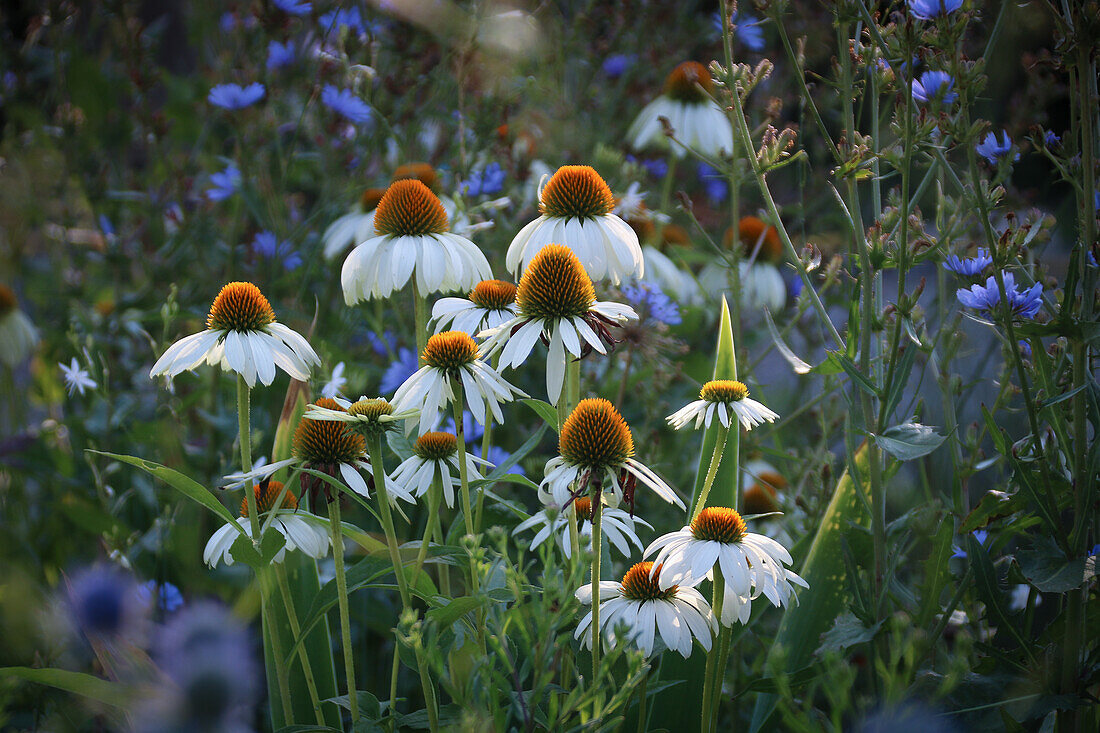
1024	303
337	20
1051	140
486	182
933	85
169	598
224	184
279	54
713	182
979	534
344	103
472	429
657	167
993	149
384	344
928	9
103	602
497	456
267	245
234	96
403	367
651	301
746	29
970	266
293	7
617	64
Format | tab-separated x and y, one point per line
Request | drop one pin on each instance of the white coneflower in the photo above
557	303
761	483
17	334
358	224
726	398
330	446
243	336
761	282
367	415
751	564
688	105
302	530
412	239
597	451
491	303
639	602
617	526
353	227
575	207
434	455
453	355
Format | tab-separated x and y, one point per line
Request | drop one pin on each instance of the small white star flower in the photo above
335	384
728	400
76	378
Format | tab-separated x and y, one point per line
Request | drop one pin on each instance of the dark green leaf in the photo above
186	486
848	631
994	505
455	609
85	685
545	410
1045	566
909	440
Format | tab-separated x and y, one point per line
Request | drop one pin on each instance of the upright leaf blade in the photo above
825	571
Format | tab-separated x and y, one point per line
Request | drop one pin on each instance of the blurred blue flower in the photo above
993	149
336	20
206	655
970	266
616	65
471	427
498	456
1094	551
928	9
403	367
227	22
486	182
294	7
224	184
747	29
106	226
656	167
906	717
714	183
652	303
1025	303
979	534
933	85
384	344
1051	140
279	54
267	246
234	96
1025	349
104	602
169	598
794	284
345	103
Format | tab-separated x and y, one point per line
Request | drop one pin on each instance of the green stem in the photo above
394	669
642	700
711	696
437	524
281	674
296	628
712	470
486	444
420	319
374	446
460	430
245	433
429	526
342	601
597	529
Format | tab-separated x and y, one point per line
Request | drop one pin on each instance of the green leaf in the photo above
989	590
186	486
825	571
857	377
244	551
994	505
909	440
455	609
78	683
847	631
1045	566
936	571
545	410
